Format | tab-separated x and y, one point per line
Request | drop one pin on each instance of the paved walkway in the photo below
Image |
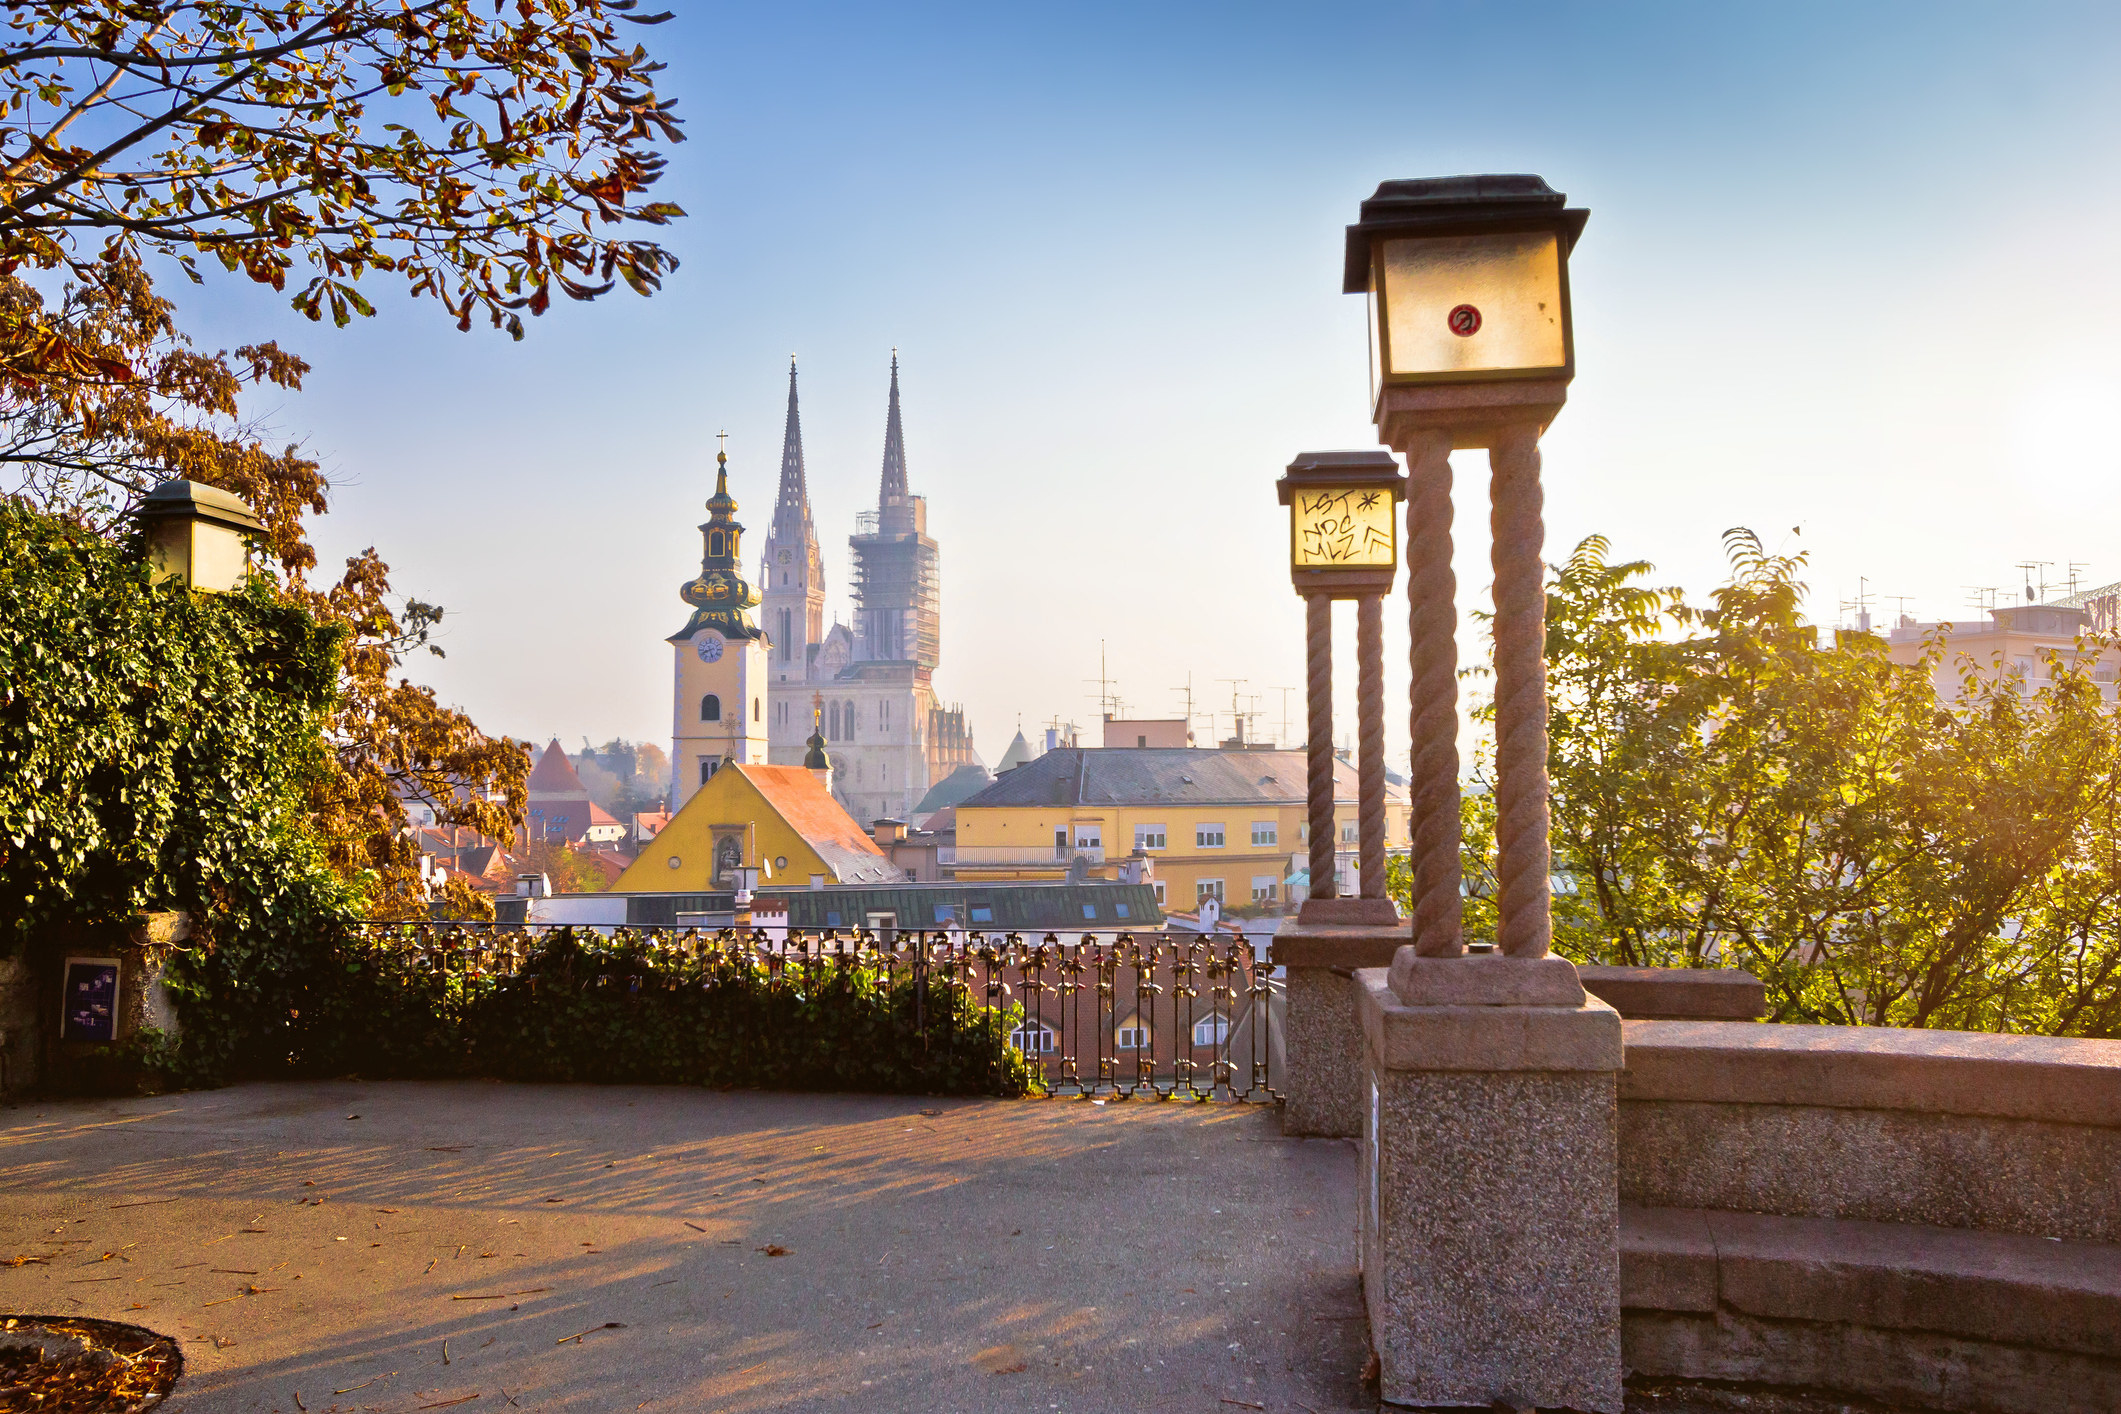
344	1246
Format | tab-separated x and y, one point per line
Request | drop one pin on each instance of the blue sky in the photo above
1849	268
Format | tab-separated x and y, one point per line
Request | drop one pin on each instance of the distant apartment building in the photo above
1202	824
2022	638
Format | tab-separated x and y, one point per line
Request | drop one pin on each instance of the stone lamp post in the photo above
1343	519
1490	1201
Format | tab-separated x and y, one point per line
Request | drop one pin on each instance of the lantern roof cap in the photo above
197	501
1467	205
1368	467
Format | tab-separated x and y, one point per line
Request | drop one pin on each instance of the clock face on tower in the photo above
784	557
709	646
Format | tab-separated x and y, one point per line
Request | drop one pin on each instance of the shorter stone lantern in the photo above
199	534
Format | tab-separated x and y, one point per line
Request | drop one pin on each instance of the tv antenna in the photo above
1107	700
2074	566
1860	606
1284	691
1900	616
1188	691
2031	568
1237	728
1982	597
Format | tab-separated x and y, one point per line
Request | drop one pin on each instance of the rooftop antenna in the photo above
2074	566
2030	568
1107	699
1188	691
1982	597
1861	605
1900	615
1284	691
1237	718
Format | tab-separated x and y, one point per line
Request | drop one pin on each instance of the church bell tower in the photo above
721	671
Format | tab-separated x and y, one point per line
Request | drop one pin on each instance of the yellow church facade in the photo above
779	820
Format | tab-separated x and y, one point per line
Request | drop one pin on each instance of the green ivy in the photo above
618	1009
156	747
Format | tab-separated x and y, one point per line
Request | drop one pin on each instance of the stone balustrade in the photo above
1926	1217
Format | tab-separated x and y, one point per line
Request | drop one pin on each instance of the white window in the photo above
1158	885
1089	836
1149	837
1263	886
1207	836
1266	832
1347	832
1133	1035
1034	1040
1211	1030
1205	889
1060	841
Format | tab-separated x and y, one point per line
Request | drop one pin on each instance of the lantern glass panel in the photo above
217	557
1472	304
1350	527
168	549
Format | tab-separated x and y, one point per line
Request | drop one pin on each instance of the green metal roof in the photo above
1004	908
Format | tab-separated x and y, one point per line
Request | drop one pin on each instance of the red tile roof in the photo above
795	792
554	774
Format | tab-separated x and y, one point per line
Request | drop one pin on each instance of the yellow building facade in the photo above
779	820
1229	825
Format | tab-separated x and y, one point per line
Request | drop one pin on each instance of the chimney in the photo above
887	832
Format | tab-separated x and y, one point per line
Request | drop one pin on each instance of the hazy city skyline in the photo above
1844	270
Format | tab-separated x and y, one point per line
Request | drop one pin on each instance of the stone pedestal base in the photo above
1490	1186
1322	1075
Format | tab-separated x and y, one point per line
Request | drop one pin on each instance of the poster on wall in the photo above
90	1011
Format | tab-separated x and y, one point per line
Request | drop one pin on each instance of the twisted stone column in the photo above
1318	698
1432	621
1370	743
1526	923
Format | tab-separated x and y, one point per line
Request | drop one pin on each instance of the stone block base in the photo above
1322	1083
1490	1203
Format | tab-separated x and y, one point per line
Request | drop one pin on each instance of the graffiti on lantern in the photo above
1344	527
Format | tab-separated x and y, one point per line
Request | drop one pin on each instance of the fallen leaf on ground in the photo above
1000	1360
774	1249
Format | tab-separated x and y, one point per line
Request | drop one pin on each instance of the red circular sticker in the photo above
1464	321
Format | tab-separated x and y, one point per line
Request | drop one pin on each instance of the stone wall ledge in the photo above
1677	993
2053	1079
1999	1288
1345	946
1484	1038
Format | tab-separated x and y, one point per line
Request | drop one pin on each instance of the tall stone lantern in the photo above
1489	1199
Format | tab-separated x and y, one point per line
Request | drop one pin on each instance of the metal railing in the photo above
1162	1015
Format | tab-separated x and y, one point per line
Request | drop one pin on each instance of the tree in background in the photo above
1728	791
485	159
623	777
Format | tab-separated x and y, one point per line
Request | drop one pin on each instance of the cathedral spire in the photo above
893	491
791	514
